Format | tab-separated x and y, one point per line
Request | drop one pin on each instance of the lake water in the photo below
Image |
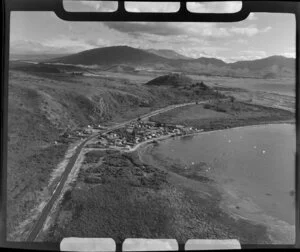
257	161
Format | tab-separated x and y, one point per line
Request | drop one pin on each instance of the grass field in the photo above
223	114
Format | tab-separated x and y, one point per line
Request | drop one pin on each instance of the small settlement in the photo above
139	132
128	137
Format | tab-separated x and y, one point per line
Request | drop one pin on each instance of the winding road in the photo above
37	227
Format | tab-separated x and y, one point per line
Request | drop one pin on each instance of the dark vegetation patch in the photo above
126	167
93	156
234	89
120	209
174	80
121	202
117	211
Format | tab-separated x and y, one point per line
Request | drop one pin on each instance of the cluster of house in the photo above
138	131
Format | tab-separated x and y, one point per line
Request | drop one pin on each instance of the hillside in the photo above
111	56
45	105
41	109
270	67
212	61
169	54
174	80
34	57
259	64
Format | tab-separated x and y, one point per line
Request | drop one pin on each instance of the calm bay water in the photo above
258	161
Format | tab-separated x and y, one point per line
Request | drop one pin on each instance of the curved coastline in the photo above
278	231
164	138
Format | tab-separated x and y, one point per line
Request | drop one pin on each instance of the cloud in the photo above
254	53
211	31
58	45
289	54
144	27
268	28
241	41
24	46
241	58
97	42
139	29
203	51
249	31
71	45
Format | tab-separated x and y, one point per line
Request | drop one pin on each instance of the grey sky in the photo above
260	35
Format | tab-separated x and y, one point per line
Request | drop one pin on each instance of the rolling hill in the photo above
111	56
270	67
259	64
169	54
174	80
212	61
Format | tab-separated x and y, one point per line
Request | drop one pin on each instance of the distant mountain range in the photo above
168	60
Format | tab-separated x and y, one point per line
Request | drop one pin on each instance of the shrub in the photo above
236	108
220	109
207	106
67	196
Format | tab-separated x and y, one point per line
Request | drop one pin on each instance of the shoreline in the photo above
278	231
163	138
143	184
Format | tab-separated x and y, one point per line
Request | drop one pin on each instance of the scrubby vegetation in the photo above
122	193
126	198
45	104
